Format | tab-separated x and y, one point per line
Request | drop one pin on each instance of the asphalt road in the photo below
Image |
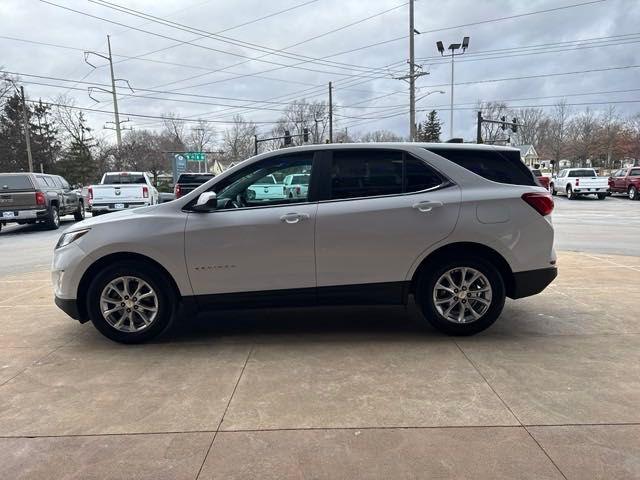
609	226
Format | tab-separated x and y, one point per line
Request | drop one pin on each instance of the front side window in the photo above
370	173
262	183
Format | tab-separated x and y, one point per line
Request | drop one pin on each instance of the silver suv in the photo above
460	227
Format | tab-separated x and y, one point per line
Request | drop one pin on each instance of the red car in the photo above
542	180
626	180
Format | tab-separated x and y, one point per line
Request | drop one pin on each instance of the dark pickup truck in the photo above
188	182
626	180
35	197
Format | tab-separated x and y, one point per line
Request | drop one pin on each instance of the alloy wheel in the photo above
462	295
129	304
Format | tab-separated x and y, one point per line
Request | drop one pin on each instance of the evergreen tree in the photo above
13	150
77	163
430	129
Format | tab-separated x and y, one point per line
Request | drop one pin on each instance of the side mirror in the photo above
207	202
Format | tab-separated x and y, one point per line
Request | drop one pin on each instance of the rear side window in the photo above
587	172
199	179
370	173
15	182
635	172
117	178
495	165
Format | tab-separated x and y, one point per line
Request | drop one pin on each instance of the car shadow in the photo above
33	228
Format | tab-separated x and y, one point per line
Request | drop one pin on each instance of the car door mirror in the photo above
207	202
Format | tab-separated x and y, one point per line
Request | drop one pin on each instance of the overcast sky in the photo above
358	76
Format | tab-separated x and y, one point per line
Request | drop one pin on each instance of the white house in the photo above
528	155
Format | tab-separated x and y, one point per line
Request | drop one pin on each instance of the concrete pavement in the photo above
551	391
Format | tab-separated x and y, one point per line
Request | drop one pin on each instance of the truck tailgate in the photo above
17	200
593	182
117	193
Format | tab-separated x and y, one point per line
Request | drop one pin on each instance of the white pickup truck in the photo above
266	189
574	182
122	190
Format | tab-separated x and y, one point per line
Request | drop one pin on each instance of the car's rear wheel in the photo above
53	219
79	213
602	196
461	297
633	193
131	302
570	194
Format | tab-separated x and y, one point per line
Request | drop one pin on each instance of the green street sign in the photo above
194	156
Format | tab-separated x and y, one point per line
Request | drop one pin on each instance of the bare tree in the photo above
201	137
557	132
582	138
237	142
610	138
492	132
380	136
174	128
530	120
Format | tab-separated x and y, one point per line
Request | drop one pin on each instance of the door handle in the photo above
294	217
427	206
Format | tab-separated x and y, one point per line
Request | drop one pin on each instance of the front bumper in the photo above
70	307
531	282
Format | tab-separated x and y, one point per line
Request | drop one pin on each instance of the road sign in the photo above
194	156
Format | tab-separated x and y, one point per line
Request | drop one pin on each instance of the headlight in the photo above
71	237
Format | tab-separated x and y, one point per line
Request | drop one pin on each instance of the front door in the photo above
255	248
385	209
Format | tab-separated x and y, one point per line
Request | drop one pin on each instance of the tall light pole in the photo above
453	47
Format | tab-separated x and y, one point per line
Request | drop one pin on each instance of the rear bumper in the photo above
531	282
70	307
591	190
111	207
23	215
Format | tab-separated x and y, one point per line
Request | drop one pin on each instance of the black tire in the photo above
53	219
79	213
602	196
425	296
155	278
633	193
552	187
570	194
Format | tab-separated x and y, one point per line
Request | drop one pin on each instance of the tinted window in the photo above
55	181
123	178
15	182
587	172
495	165
41	181
191	178
366	173
419	176
634	172
536	173
65	184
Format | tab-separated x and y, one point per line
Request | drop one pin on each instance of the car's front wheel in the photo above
131	302
461	297
79	213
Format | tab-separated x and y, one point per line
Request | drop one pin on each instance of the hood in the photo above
114	217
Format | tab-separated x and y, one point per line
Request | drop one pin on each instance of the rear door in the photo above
383	208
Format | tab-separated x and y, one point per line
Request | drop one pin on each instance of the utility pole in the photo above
412	78
413	74
117	124
330	113
115	97
27	136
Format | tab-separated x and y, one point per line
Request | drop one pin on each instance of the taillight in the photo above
178	191
145	192
541	202
90	193
577	182
40	200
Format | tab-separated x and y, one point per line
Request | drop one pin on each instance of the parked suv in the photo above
458	226
626	180
36	197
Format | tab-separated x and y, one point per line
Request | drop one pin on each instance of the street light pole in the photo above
453	47
412	78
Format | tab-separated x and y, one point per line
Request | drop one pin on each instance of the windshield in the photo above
582	173
15	182
123	178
